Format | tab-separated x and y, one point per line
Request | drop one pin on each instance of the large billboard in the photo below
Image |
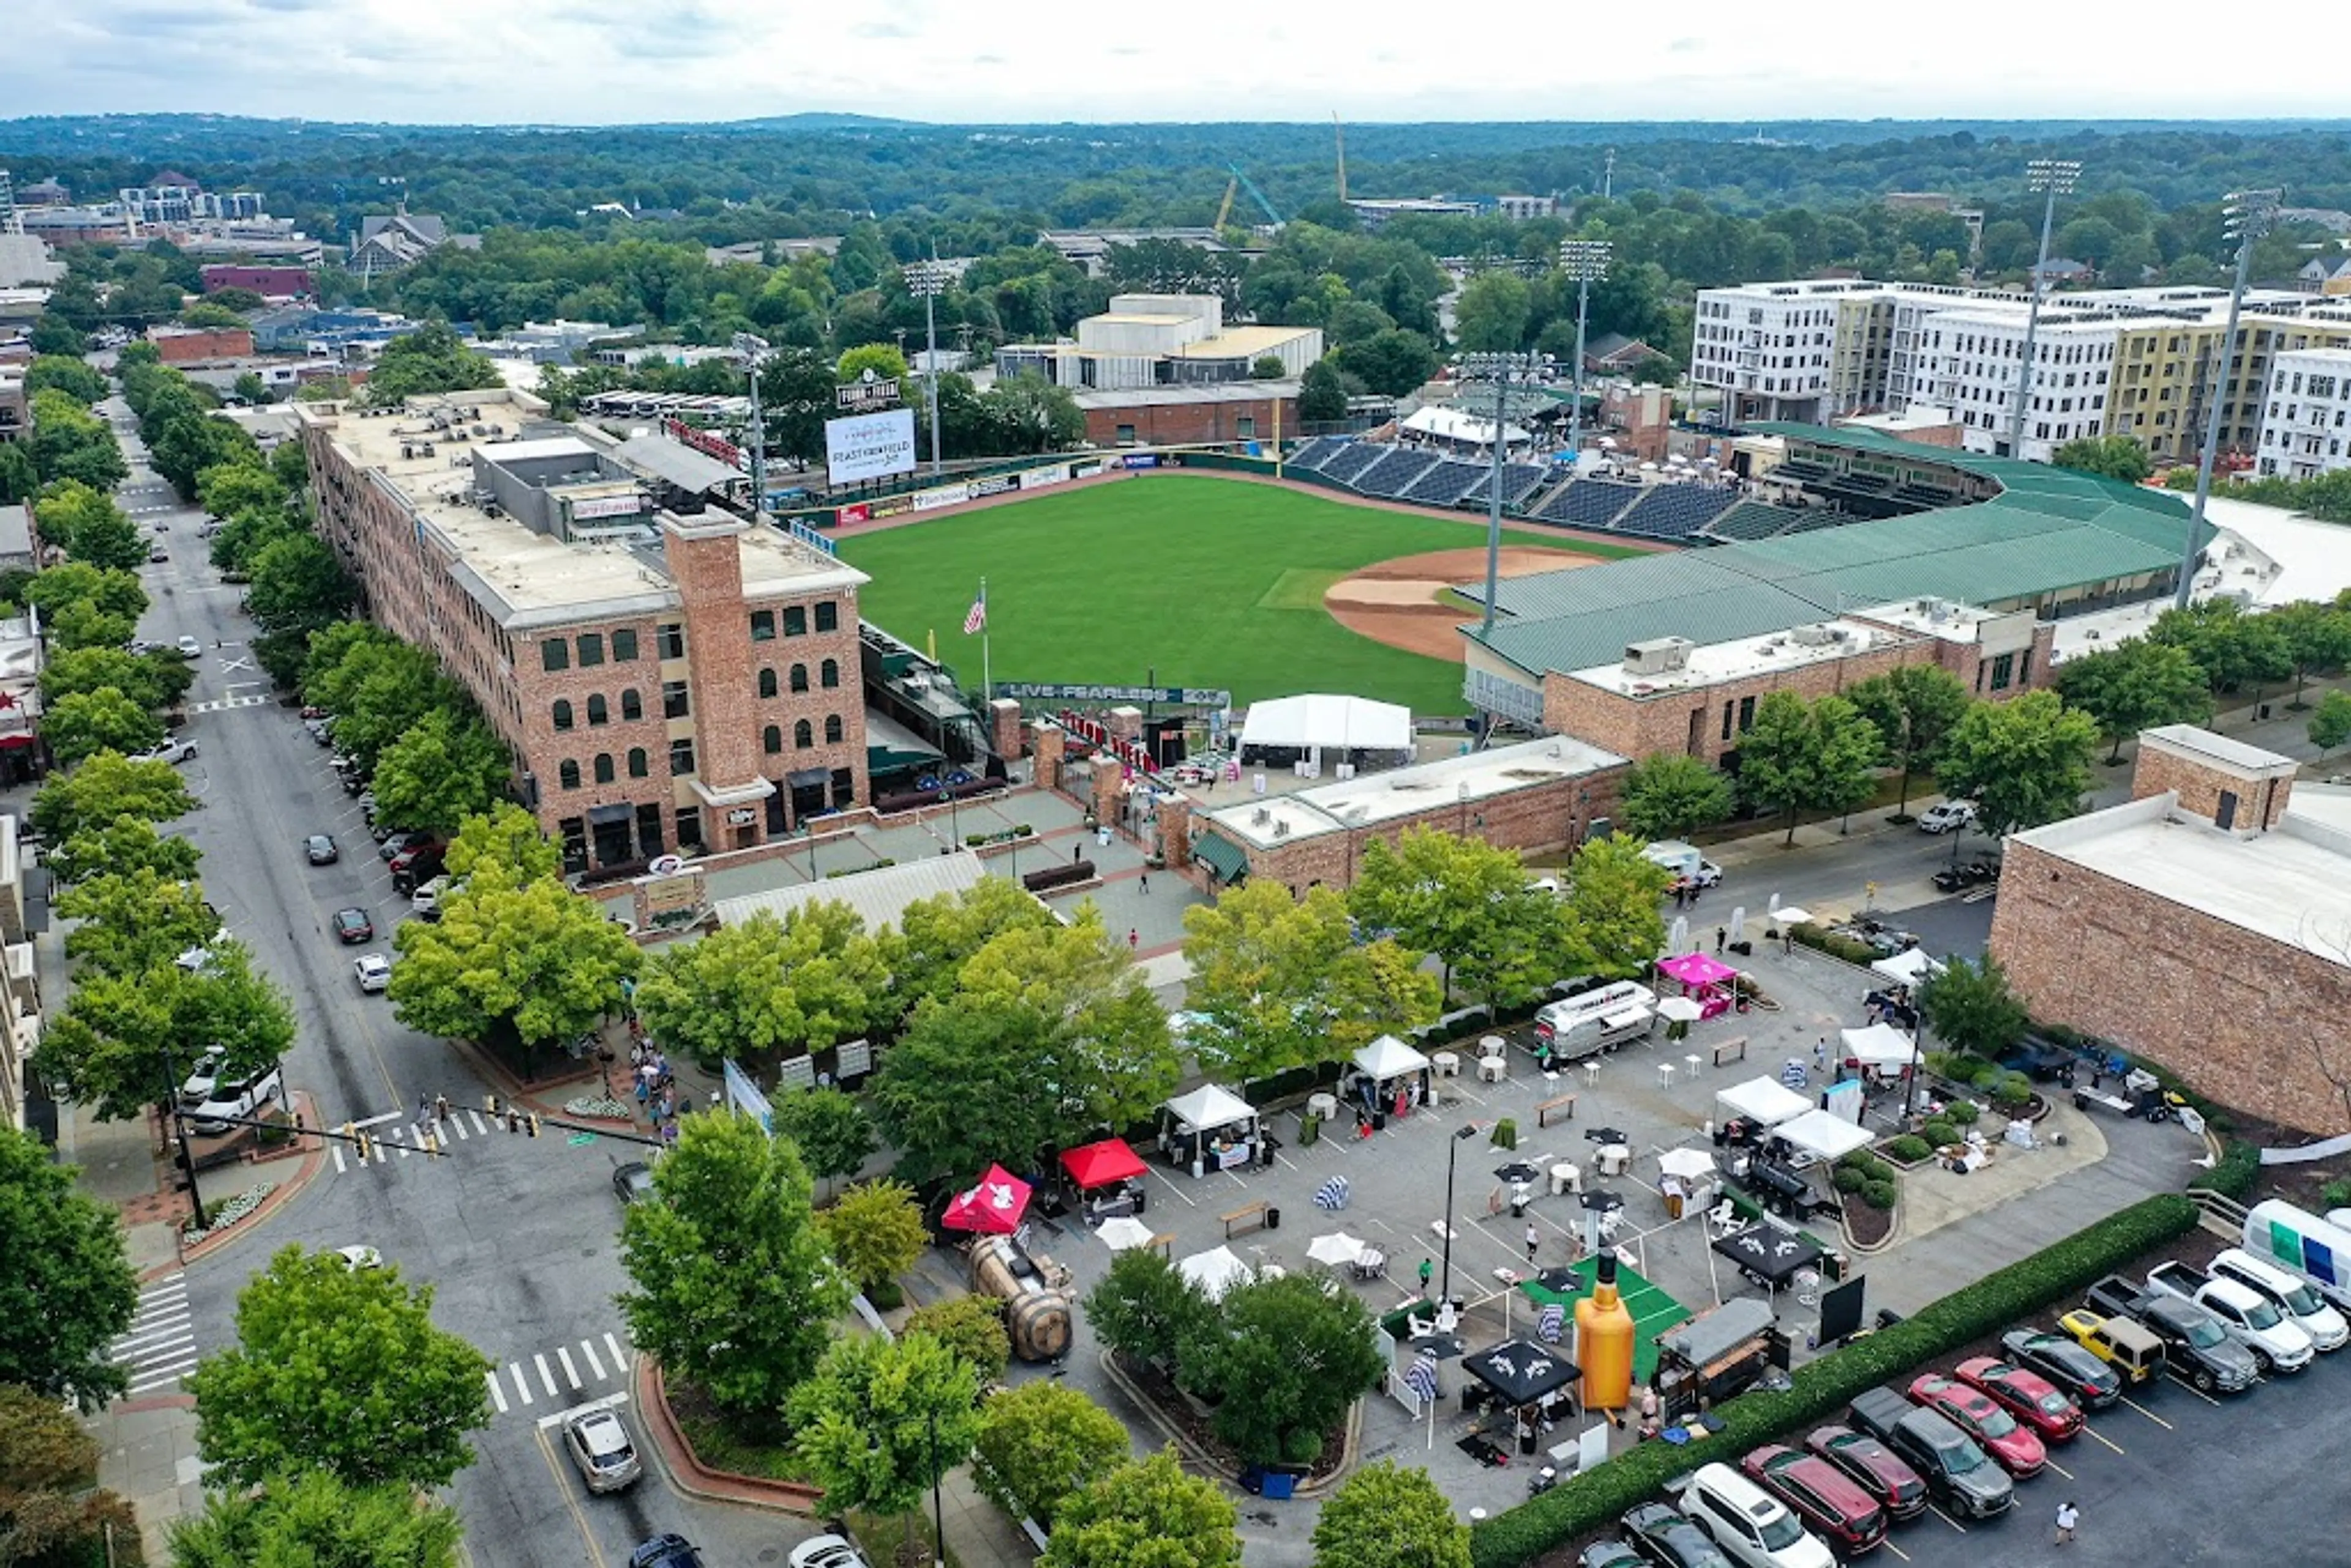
869	446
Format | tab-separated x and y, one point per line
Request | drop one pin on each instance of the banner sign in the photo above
856	1058
861	396
1085	470
855	512
944	495
869	446
1066	692
1140	460
889	505
995	485
798	1072
589	506
1038	478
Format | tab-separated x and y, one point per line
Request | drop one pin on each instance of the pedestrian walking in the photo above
1788	940
424	1103
1077	852
1534	1240
1146	880
1821	1055
1428	1270
1134	938
2068	1516
440	1107
1721	935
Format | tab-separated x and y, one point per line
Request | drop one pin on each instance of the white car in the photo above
826	1552
373	969
188	646
356	1257
173	749
1945	818
1749	1524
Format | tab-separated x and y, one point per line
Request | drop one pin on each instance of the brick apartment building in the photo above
192	345
667	680
1189	415
2206	924
270	282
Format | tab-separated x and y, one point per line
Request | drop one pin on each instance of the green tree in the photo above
68	1290
886	363
528	966
2317	637
2116	456
430	360
2330	726
83	723
1321	395
124	847
1390	363
445	768
1971	1007
1669	795
1614	928
505	843
89	527
19	480
206	313
971	1326
2234	648
2024	762
1146	1514
1267	368
233	489
53	334
881	1420
1492	312
1040	1443
151	680
1800	757
1440	893
936	936
1288	1360
124	1039
133	921
70	444
875	1231
84	382
314	1517
378	689
299	585
1390	1516
341	1370
51	1514
766	985
1912	707
2135	685
106	789
1146	1311
834	1132
734	1290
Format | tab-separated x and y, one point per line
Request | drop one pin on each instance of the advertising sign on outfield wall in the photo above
869	446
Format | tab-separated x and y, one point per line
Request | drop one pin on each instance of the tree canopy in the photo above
1041	1443
1387	1515
50	1515
881	1419
106	789
2135	685
1614	926
1800	757
1670	795
2024	762
315	1516
533	964
765	986
68	1288
1147	1513
1912	707
1971	1007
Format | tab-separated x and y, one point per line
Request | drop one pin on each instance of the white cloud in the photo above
604	61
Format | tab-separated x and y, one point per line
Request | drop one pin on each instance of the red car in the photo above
2013	1447
1873	1467
2027	1395
1837	1507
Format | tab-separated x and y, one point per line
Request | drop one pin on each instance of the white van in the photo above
1597	1020
1685	861
2298	1241
2292	1295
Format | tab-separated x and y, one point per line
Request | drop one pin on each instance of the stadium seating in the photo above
1751	521
1673	511
1392	475
1588	503
1353	459
1315	452
1520	480
1447	483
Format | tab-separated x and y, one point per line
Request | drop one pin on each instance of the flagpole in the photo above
987	673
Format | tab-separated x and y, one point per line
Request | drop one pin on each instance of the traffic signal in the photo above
351	1133
490	1104
366	1146
532	1122
431	1142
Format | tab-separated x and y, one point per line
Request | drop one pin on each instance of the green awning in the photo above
1222	856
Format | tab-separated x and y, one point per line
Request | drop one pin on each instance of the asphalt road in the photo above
518	1236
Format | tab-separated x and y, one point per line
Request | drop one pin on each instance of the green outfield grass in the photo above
1209	583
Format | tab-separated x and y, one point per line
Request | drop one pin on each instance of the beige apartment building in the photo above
667	679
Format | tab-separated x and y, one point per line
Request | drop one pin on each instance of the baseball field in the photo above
1198	581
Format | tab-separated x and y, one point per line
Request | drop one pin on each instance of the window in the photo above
603	767
568	774
763	625
1245	427
2024	668
1726	720
689	827
669	640
649	830
795	621
2004	671
766	682
555	654
598	713
803	736
828	616
800	677
562	714
833	729
591	649
637	767
631	705
675	702
681	756
1125	435
772	739
828	674
625	646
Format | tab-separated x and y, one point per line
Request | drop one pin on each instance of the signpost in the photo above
1079	692
867	393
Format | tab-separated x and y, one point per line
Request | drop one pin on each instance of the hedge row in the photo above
1823	1387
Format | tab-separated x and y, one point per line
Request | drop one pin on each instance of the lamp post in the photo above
1452	1149
938	1509
1585	261
1498	368
2055	178
927	280
2251	214
180	1133
754	350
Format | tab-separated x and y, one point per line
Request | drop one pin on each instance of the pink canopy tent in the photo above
992	1208
1696	969
1099	1164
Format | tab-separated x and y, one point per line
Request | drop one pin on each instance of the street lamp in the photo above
1498	368
2251	214
755	350
2055	178
180	1133
1452	1149
1586	262
927	280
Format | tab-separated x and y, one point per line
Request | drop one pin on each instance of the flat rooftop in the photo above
1937	618
1235	342
1744	658
1372	798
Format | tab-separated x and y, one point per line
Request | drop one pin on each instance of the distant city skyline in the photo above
1042	61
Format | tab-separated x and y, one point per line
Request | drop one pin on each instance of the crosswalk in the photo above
223	703
599	1360
393	1142
159	1345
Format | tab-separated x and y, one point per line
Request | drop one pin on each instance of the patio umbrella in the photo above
1521	1373
1336	1250
1600	1200
1604	1136
1789	914
992	1207
1442	1346
1680	1009
1689	1164
1215	1271
1565	1281
1518	1172
1123	1232
1769	1253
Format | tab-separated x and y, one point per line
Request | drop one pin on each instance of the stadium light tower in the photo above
2251	214
1499	369
1585	261
927	280
2054	177
755	351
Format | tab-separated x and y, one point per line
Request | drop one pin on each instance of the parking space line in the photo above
2061	1470
1888	1543
2102	1437
521	1380
498	1395
544	1374
595	1362
1937	1510
2196	1391
2147	1413
1171	1186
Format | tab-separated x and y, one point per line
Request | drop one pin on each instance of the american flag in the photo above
1421	1378
978	620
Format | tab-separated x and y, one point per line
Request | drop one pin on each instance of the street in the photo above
518	1236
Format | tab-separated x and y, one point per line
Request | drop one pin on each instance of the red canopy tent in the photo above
1099	1165
992	1208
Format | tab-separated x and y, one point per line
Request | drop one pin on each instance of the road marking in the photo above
458	1127
1936	1509
571	1373
143	1336
2196	1391
336	1150
595	1362
2102	1437
544	1374
522	1380
557	1417
164	1374
2148	1414
620	1356
160	1343
478	1125
2061	1470
595	1555
379	1121
497	1394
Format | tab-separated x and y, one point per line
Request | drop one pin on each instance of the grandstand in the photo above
1520	480
1351	460
1673	511
1394	473
1588	503
1448	482
1315	452
1752	520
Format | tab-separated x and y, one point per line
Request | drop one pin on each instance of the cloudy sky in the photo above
604	61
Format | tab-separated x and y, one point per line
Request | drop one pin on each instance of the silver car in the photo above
599	1445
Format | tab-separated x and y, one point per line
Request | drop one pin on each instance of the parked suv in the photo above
1944	818
1750	1524
1945	1458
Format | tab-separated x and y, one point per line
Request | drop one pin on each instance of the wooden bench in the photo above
1248	1217
1561	1102
1730	1051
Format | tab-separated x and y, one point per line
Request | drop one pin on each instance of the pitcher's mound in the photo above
1407	602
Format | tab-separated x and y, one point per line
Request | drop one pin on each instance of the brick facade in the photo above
187	345
279	282
2256	796
1190	424
1052	746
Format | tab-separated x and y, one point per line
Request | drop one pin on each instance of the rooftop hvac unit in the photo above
1657	655
1817	636
1258	817
407	449
1281	829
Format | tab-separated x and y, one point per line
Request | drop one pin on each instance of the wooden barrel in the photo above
1040	1322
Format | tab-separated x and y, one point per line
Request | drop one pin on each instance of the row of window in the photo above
556	653
795	621
632	707
2320	386
827	676
604	768
590	649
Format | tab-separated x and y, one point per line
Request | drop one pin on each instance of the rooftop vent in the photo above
1657	655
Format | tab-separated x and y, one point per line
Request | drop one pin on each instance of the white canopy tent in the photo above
1907	967
1462	428
1763	1101
1217	1270
1823	1133
1325	723
1208	1107
1387	1057
1879	1045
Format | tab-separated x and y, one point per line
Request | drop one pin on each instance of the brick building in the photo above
2205	924
1189	415
667	680
270	282
1535	795
188	345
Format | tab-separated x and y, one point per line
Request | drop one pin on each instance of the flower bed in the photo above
601	1107
226	1215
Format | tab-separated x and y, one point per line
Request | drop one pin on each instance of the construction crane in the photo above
1232	189
1339	132
1240	178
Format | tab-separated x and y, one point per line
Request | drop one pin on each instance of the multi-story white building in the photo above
1971	362
2306	418
1768	347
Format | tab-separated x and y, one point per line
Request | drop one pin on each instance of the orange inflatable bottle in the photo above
1603	1343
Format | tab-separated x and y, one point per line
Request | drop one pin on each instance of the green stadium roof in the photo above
2051	530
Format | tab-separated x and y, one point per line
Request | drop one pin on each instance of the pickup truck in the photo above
2195	1344
1947	1459
2252	1319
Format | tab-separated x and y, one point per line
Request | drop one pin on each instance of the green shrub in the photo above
1909	1148
1962	1113
1593	1499
1834	945
1848	1179
1940	1133
2239	1167
1880	1194
1949	1064
2335	1194
2009	1089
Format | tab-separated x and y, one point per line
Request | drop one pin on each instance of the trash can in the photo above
1273	1219
1310	1130
1673	1205
1379	1120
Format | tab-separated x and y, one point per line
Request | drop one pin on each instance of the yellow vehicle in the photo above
2130	1350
